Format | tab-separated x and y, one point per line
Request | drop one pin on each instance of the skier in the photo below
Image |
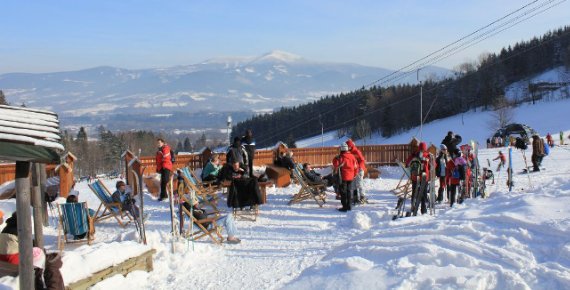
561	138
537	152
549	140
440	165
502	160
348	167
163	166
418	163
359	191
455	169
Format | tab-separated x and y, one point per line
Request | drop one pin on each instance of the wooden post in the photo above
128	156
37	206
43	180
25	245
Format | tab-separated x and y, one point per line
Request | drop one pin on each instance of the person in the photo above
454	167
440	165
226	221
212	169
73	198
163	166
418	162
286	160
9	251
316	178
502	160
237	153
359	191
237	171
249	145
549	140
244	191
124	198
451	141
537	152
561	138
347	167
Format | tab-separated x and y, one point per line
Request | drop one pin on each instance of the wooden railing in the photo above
318	157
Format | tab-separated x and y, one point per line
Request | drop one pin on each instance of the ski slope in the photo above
512	240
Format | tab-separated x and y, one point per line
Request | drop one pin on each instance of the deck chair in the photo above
200	231
206	186
307	191
204	197
109	207
74	220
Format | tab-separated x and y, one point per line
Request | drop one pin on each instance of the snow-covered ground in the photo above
511	240
545	117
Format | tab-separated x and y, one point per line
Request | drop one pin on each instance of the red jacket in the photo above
349	165
9	248
163	158
357	153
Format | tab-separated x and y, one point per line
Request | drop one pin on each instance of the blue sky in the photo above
42	36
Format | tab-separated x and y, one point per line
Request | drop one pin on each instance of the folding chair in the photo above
213	231
110	208
206	186
307	191
74	220
204	197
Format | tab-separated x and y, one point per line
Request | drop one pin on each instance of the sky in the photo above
48	36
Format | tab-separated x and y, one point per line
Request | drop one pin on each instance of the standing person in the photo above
346	164
359	191
418	162
249	143
451	141
237	153
440	172
502	160
537	152
163	166
453	169
561	138
549	140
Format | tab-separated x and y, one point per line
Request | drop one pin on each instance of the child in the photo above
502	160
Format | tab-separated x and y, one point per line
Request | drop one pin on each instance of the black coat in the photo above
249	145
451	142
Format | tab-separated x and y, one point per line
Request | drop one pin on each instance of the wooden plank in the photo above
142	262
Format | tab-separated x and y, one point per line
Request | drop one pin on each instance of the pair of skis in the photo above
139	222
420	189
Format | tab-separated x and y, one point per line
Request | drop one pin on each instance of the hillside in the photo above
528	71
248	84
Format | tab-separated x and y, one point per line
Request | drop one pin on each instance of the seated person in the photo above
244	191
74	199
9	251
286	160
226	222
212	169
315	178
125	199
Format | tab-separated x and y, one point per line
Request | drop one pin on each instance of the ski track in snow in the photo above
517	240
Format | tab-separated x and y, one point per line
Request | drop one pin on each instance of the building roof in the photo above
29	135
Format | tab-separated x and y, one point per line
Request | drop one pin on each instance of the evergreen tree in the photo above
187	145
3	98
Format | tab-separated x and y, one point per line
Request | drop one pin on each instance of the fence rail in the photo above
322	156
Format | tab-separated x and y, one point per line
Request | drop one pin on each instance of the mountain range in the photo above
247	85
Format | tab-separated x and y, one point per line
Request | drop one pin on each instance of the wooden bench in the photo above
280	176
139	263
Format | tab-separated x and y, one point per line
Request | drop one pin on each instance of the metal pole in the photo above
421	104
26	266
37	206
43	180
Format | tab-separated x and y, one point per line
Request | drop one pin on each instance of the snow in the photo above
559	76
511	240
544	117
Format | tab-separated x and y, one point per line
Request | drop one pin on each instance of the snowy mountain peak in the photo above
279	56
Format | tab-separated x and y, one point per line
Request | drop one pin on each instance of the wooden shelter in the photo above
29	136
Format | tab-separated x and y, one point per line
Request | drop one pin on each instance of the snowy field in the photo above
516	240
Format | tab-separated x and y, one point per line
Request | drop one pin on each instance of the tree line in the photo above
393	109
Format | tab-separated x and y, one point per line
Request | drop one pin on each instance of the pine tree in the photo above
187	145
3	98
179	147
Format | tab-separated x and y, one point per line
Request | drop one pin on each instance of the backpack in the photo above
416	167
172	156
546	149
520	144
458	172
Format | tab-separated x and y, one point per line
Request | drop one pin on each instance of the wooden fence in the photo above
318	157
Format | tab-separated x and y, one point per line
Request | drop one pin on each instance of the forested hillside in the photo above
391	109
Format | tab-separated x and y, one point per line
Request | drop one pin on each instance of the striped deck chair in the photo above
200	231
307	191
110	208
206	188
208	198
74	220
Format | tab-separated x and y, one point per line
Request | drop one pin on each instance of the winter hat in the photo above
442	147
343	147
39	258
